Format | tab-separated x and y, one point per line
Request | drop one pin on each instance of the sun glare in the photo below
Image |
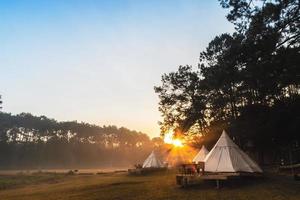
177	143
168	139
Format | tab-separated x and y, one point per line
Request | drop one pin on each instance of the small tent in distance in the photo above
153	161
226	156
201	155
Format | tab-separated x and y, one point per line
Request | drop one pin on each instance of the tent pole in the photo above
218	183
291	161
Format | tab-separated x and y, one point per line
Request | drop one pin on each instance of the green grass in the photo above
157	186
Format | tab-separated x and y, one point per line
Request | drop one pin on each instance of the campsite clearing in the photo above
162	185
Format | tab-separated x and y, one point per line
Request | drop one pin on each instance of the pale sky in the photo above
98	61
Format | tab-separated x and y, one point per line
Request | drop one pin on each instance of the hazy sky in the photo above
98	61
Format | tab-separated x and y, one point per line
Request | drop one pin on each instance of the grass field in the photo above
120	186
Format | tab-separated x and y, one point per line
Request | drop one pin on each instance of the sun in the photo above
177	143
168	139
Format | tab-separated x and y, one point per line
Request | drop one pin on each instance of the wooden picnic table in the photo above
193	173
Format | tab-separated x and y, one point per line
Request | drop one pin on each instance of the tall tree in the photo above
1	102
181	102
247	82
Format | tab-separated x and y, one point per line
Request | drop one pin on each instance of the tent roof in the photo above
152	161
201	155
226	156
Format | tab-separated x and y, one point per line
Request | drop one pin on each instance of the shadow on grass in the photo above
126	183
151	173
233	183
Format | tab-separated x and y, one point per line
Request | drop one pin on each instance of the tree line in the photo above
28	141
247	82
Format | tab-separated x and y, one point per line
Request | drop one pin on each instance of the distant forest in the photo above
28	141
247	83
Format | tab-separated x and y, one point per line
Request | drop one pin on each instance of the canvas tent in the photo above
226	156
152	161
201	155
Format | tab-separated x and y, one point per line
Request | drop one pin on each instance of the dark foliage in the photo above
246	82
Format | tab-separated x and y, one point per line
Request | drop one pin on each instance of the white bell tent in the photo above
226	156
201	155
152	161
